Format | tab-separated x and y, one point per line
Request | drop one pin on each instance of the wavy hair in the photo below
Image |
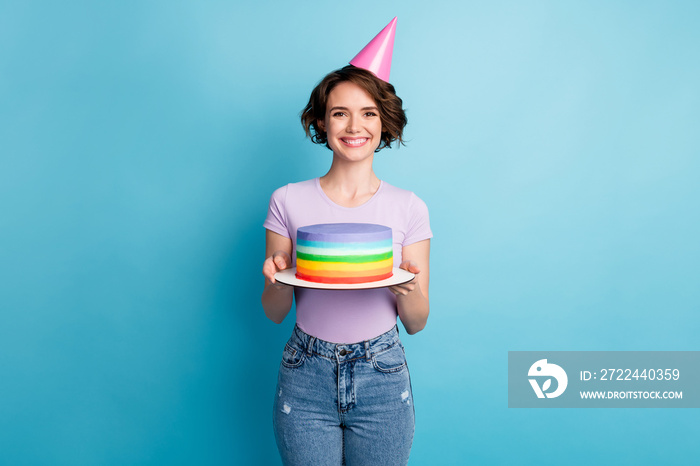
391	112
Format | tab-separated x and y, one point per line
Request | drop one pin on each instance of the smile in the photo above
354	142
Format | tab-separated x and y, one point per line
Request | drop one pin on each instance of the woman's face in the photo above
352	122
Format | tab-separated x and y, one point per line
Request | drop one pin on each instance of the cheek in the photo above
380	126
333	127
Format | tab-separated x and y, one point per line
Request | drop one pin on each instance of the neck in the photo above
350	183
352	175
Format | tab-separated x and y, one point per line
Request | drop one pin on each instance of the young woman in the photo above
344	392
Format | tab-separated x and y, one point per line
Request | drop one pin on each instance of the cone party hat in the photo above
376	56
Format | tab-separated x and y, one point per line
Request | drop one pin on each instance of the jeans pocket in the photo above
390	360
292	357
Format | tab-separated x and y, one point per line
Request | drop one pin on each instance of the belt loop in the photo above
310	345
367	355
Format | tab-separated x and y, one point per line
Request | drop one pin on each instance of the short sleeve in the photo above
276	214
418	228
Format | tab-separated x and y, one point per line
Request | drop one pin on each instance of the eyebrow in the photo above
345	108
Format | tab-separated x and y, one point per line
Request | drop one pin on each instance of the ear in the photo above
321	124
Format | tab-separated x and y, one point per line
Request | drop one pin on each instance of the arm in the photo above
276	297
412	297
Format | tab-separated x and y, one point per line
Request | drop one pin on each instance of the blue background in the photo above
555	143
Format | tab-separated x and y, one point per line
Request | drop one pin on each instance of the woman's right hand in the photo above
277	262
277	298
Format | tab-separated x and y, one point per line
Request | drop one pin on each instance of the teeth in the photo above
355	142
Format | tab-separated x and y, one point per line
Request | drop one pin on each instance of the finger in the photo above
413	268
280	262
269	270
403	290
409	266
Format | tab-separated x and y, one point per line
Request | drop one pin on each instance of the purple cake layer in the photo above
344	232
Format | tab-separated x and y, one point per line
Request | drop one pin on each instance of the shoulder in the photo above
303	185
403	197
294	189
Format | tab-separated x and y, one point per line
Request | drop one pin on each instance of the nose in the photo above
352	127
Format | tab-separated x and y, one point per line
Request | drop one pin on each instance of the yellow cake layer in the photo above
345	273
343	266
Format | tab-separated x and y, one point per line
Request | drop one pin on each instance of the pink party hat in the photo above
376	56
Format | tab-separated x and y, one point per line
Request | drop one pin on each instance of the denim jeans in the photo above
344	403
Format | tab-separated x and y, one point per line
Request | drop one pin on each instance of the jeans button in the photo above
343	352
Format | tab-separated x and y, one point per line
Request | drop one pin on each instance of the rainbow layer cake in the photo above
344	253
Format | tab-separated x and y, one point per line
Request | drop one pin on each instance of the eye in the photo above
370	114
338	114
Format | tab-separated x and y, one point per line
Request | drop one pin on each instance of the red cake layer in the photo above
313	278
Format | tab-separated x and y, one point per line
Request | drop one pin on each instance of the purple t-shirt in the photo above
347	316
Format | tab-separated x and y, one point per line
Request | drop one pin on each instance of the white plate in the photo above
288	277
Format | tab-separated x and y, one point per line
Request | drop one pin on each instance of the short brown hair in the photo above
390	106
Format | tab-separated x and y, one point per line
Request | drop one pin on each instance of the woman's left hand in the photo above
408	287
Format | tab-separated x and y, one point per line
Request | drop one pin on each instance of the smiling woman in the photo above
385	102
344	394
353	127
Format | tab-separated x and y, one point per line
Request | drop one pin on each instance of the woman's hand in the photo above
408	287
276	297
412	301
277	262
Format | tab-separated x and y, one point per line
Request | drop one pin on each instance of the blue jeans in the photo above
344	403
